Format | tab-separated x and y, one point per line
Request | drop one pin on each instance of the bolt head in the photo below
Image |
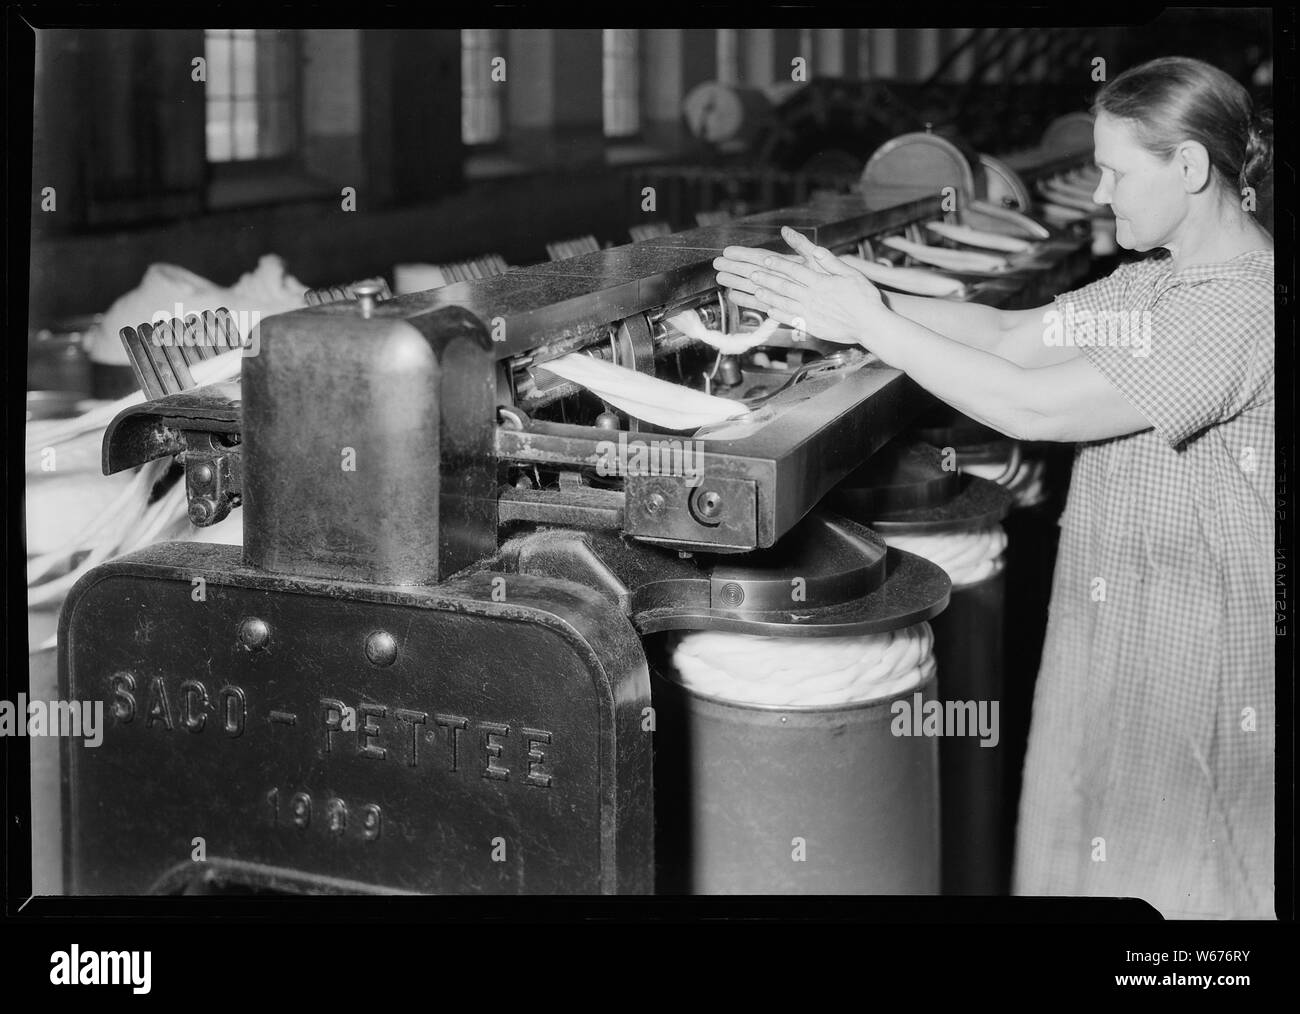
254	633
711	504
381	648
202	510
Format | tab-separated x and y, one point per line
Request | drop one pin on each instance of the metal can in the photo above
761	799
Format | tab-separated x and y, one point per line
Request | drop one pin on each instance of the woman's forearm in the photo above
969	323
979	383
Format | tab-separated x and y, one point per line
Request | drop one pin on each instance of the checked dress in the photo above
1150	767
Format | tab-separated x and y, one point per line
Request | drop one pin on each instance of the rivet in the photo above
381	648
254	633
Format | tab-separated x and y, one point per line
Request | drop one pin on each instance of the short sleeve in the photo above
1105	294
1190	355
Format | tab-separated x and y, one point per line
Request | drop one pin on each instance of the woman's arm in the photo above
1014	335
1066	401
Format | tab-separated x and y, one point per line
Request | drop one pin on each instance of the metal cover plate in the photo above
915	165
471	763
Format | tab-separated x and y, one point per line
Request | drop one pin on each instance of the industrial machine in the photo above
427	669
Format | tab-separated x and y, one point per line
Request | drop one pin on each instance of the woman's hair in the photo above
1175	99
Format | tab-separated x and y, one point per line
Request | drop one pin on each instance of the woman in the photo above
1150	765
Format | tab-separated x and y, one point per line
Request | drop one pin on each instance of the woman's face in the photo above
1146	193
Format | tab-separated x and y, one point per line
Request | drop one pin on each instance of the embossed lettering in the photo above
371	821
336	816
159	709
234	709
454	725
368	730
416	719
300	809
535	757
333	719
492	749
194	719
123	683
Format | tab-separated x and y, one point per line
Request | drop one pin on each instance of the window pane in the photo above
219	139
481	97
245	128
217	52
621	82
252	88
245	57
728	56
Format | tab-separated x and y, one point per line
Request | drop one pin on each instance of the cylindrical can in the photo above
914	497
753	799
968	654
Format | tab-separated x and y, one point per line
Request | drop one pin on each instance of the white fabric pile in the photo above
76	517
967	557
804	671
267	290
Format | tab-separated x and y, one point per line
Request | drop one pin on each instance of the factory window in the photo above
728	56
621	82
252	94
480	106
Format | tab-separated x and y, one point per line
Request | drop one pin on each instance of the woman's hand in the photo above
813	292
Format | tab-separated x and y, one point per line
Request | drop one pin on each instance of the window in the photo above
252	94
621	85
728	56
480	102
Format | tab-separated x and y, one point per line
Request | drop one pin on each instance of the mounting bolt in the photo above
654	503
201	474
381	648
710	504
254	633
367	294
202	510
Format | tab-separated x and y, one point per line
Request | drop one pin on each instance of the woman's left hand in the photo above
814	292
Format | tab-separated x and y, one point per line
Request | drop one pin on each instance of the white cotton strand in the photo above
917	281
672	406
804	671
978	237
950	260
689	324
966	557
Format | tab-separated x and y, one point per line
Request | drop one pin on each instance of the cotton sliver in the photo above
689	324
978	237
914	280
804	671
966	557
650	399
951	260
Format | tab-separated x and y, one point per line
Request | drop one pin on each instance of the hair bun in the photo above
1257	166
